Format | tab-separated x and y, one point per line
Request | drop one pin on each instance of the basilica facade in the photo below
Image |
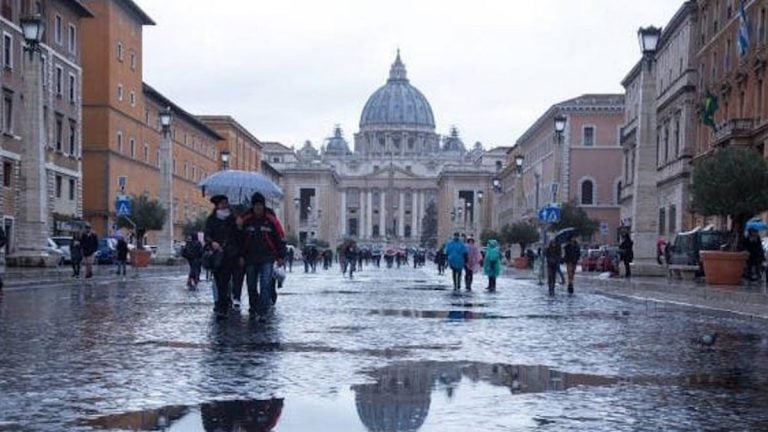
397	181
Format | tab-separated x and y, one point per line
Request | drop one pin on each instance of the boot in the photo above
570	288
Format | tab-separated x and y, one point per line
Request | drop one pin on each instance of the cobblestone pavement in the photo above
391	350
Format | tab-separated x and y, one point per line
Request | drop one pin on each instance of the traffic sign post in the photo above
123	206
548	215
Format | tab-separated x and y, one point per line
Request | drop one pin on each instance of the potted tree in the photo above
523	234
731	183
148	215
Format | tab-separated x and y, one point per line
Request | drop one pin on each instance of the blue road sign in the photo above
123	206
550	214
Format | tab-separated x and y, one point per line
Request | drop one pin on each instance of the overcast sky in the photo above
289	70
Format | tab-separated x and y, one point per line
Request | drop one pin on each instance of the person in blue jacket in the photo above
457	254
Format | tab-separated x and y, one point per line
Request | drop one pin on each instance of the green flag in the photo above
708	110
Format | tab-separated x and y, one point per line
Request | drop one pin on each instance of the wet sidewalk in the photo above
15	278
749	299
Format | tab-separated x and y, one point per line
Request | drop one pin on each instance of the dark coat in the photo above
193	250
626	252
553	254
263	239
572	253
90	244
76	250
225	233
754	246
122	250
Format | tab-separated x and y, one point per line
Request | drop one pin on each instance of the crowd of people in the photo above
465	260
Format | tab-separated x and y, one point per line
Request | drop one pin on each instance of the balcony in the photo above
734	129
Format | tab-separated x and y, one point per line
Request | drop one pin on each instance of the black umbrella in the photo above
565	235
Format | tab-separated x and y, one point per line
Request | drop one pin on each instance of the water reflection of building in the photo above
400	398
241	416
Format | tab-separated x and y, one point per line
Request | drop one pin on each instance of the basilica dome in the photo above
337	145
398	103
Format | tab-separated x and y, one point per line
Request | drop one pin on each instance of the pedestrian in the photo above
263	247
627	254
90	244
76	254
552	257
351	257
289	257
440	259
492	264
122	256
222	251
531	258
193	253
456	251
572	256
474	263
754	246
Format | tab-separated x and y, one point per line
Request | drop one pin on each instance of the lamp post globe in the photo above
649	39
225	157
33	28
481	194
165	118
560	122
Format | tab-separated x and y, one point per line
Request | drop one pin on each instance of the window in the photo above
72	187
666	142
618	192
761	29
59	133
146	118
677	136
132	144
587	192
662	221
727	57
133	99
119	92
7	51
8	113
57	30
72	138
72	89
759	102
133	61
44	70
194	172
120	51
672	219
146	153
72	39
7	10
186	171
59	81
7	173
58	186
589	136
120	142
158	158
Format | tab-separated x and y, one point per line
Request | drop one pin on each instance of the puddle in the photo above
399	397
470	305
449	315
428	288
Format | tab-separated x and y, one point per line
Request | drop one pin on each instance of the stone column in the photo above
343	213
382	215
165	240
414	213
645	204
33	227
401	216
369	214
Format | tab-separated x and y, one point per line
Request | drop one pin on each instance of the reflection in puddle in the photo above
451	315
398	398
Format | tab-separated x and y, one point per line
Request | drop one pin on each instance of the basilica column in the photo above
369	214
401	216
343	213
414	213
382	215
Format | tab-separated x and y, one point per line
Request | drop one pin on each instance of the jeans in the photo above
222	277
456	278
491	283
468	279
121	267
238	277
571	270
552	277
76	268
260	287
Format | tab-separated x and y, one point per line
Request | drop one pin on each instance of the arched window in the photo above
618	192
587	192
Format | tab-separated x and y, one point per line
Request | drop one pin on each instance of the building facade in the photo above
676	108
378	190
122	132
243	150
583	166
60	131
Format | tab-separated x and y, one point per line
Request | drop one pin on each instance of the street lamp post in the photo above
644	202
225	157
165	242
560	123
33	229
520	201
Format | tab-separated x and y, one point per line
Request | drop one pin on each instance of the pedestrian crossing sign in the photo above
123	206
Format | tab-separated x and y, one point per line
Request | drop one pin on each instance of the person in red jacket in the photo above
263	245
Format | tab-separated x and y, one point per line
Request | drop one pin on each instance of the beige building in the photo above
379	190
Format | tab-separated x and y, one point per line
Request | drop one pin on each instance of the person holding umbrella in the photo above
552	257
222	251
572	255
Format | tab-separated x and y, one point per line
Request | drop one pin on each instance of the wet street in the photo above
391	350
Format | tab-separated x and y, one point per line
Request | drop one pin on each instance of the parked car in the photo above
54	250
107	252
590	260
63	243
609	257
687	245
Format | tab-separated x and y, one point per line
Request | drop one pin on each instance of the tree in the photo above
732	183
429	225
489	234
148	215
573	216
521	233
194	226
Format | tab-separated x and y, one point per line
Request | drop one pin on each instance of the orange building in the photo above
243	149
121	130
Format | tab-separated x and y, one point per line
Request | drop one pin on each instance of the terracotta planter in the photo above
141	258
723	268
521	263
